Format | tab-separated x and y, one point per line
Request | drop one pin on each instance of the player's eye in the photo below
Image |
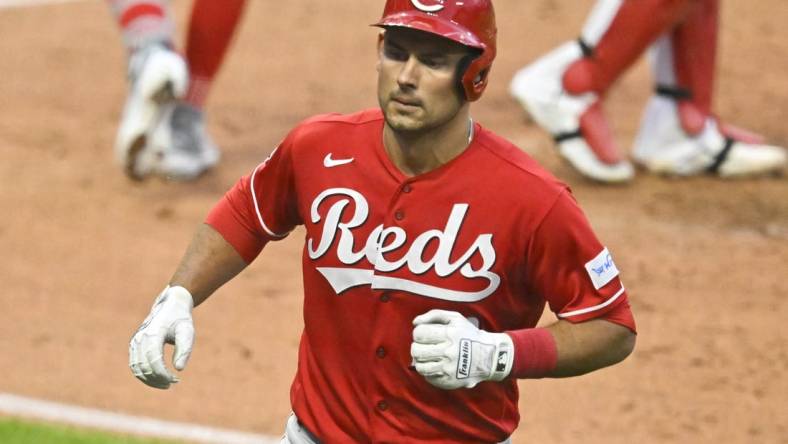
434	62
394	53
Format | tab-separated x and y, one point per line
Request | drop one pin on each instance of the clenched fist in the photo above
450	352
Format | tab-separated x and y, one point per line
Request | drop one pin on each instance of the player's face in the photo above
417	79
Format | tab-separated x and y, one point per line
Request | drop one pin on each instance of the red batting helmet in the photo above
468	22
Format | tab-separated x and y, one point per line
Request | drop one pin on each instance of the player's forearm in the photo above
208	263
588	346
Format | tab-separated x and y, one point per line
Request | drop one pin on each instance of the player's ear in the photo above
380	50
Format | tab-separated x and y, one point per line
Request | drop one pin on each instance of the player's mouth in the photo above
406	102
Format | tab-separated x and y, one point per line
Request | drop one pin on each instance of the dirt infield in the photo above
86	250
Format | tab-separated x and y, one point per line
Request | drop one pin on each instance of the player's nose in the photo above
409	72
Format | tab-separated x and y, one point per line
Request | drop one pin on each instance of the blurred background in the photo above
86	250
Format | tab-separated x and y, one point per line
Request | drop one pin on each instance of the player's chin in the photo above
403	121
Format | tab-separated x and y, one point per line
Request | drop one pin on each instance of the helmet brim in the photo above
432	25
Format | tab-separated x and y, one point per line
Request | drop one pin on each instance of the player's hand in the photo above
169	321
450	352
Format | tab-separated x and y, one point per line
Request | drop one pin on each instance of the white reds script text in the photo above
385	242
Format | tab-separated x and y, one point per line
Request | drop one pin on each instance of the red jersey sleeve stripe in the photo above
593	308
257	208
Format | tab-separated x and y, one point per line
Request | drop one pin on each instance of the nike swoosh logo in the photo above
328	162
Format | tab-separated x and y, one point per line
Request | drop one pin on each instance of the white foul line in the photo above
24	3
136	425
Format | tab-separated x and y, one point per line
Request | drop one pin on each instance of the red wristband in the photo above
535	353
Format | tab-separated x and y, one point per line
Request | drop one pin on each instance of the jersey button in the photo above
383	406
385	297
406	188
380	352
399	215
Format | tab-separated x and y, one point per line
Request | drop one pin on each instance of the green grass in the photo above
13	431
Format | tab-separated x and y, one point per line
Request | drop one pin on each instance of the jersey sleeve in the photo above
621	314
261	206
570	268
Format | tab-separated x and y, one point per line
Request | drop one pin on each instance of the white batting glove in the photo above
450	352
169	321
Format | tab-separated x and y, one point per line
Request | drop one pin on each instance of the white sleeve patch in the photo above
601	269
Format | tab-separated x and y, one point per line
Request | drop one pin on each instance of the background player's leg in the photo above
562	90
679	133
211	29
156	74
695	53
143	22
610	51
182	126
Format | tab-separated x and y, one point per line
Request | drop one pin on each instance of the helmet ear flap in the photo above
471	84
462	71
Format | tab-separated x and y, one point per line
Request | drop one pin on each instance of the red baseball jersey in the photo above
490	234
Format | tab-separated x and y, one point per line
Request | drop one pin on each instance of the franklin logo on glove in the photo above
463	370
451	352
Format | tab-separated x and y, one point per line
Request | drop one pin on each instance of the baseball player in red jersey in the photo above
431	248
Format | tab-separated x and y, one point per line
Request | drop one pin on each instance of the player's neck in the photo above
419	153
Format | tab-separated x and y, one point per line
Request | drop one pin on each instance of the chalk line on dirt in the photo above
27	3
136	425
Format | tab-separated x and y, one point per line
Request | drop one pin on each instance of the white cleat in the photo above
663	147
178	147
582	157
539	89
157	75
